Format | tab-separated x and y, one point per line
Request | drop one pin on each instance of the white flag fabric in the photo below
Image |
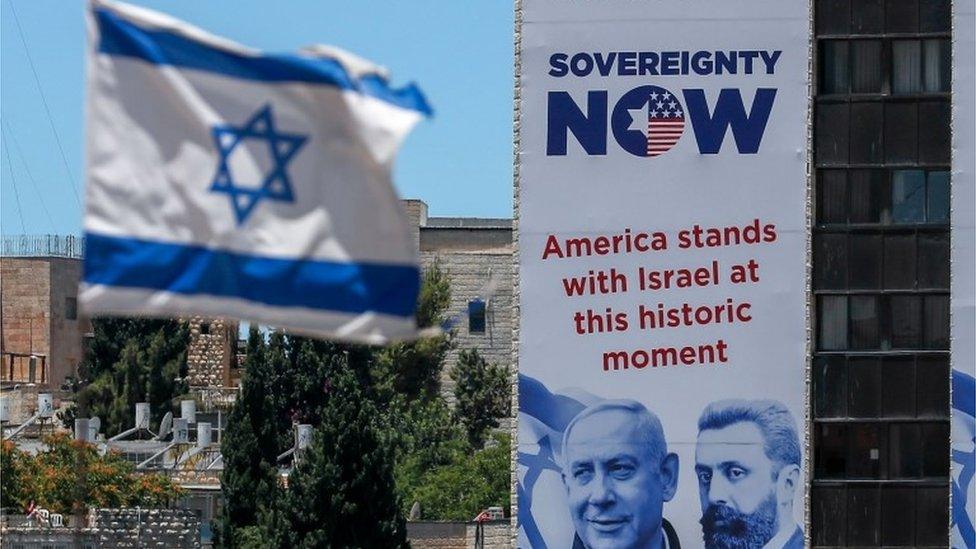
228	182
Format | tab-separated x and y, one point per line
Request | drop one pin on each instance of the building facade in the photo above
41	332
880	429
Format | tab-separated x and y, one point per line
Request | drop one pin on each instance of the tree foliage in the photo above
249	445
383	431
129	361
341	494
412	370
462	488
67	475
483	395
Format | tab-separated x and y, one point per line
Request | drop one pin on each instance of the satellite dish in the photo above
165	426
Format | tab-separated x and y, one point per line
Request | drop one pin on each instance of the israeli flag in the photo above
228	182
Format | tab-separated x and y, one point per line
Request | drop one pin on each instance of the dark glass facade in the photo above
880	398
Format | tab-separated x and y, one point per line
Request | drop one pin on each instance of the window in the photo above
880	274
920	66
71	308
476	316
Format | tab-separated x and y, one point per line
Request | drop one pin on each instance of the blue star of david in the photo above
276	184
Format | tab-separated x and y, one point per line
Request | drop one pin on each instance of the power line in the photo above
30	176
40	91
13	181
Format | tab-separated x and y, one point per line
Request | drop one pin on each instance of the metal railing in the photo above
42	245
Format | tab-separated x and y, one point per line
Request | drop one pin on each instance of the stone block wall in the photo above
68	326
137	528
211	351
25	298
38	297
477	275
122	528
459	535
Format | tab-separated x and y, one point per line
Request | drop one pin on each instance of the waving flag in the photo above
227	182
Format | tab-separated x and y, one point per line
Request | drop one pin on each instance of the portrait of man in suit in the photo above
747	460
618	475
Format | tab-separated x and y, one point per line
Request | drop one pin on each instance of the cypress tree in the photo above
249	447
342	492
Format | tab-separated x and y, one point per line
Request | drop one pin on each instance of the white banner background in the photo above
963	296
578	195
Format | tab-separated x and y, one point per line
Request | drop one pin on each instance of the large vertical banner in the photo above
963	295
663	250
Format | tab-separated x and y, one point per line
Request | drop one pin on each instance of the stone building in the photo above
476	255
41	333
211	357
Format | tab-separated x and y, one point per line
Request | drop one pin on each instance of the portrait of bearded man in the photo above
747	460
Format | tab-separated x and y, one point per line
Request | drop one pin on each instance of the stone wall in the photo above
38	296
477	275
68	327
25	298
459	535
211	351
123	528
136	528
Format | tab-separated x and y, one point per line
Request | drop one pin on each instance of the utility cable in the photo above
13	181
40	91
30	176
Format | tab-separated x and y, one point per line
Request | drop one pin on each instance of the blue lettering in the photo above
558	63
628	63
729	111
648	63
770	59
565	116
577	68
725	61
604	64
669	63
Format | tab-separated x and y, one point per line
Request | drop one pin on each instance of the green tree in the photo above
483	395
250	446
67	474
412	370
129	361
459	490
342	493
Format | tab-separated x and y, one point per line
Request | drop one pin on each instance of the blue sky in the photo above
460	53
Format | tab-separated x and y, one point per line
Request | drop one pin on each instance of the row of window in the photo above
907	260
882	322
871	387
842	17
876	515
877	132
881	450
880	196
858	66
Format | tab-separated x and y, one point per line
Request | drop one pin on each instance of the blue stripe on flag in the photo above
195	270
160	47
